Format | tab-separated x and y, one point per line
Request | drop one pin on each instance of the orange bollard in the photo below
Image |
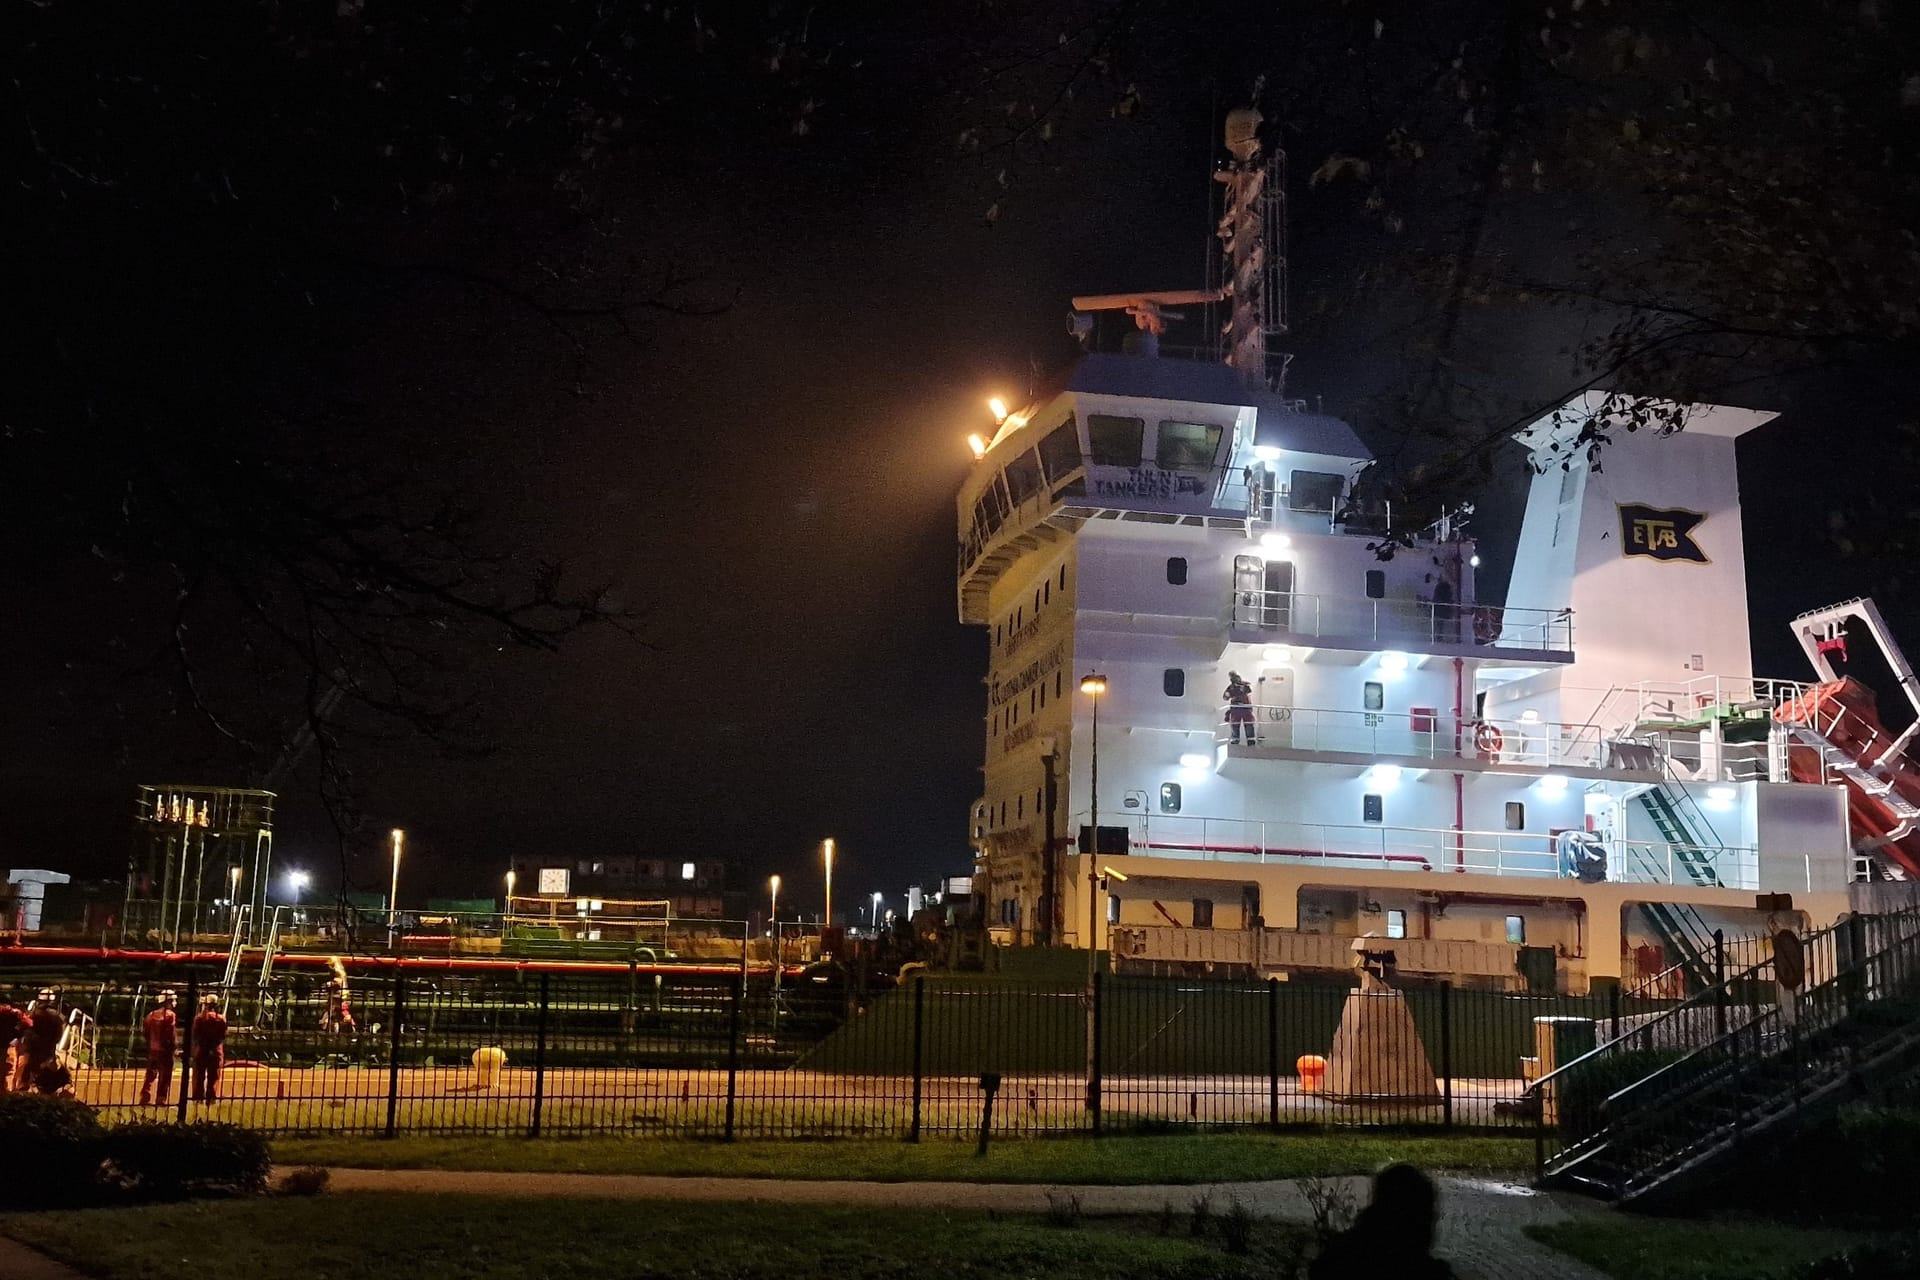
1312	1070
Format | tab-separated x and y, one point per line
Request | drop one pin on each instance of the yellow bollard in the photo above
487	1062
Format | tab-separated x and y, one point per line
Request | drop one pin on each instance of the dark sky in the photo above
773	488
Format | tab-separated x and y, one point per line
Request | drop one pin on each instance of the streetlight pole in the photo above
876	914
826	849
773	913
393	894
1093	684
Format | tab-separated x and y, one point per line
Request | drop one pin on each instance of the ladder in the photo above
234	951
272	948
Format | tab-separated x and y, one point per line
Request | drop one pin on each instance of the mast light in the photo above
999	408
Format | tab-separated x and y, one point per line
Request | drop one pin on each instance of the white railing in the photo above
1531	854
1534	744
1414	623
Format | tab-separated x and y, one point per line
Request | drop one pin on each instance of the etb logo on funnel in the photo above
1660	534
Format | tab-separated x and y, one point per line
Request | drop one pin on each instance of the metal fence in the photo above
716	1056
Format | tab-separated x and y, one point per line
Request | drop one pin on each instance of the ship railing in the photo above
1530	854
1652	702
1414	623
1425	735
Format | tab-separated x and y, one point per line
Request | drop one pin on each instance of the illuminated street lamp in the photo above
511	877
773	899
876	913
296	881
393	895
826	849
1093	684
773	913
233	890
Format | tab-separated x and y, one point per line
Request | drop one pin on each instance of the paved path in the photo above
18	1262
1481	1226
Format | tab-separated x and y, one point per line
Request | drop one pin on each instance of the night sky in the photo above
772	489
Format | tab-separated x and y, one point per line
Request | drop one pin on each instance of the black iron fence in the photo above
715	1056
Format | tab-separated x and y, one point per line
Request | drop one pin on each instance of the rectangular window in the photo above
1046	593
1056	682
1023	477
1115	441
1517	930
1372	808
1186	446
1177	570
1516	816
1043	695
1063	577
1373	696
1314	490
1060	452
1376	584
1203	913
1396	923
1169	797
686	871
1173	682
1020	807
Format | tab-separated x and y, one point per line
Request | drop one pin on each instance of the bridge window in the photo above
1115	441
1187	446
1376	584
1173	681
1060	452
1516	816
1177	570
1023	477
1314	490
1396	923
1517	930
1373	696
1203	913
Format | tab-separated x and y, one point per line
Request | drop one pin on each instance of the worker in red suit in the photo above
40	1042
13	1025
209	1049
159	1027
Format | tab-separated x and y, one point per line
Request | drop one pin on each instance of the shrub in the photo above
172	1162
1236	1227
50	1150
1878	1260
1860	1165
1583	1092
1063	1209
1202	1214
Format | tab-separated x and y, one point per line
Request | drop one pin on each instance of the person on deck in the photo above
160	1028
209	1049
13	1025
1239	696
40	1042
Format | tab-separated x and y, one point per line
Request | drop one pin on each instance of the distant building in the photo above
692	887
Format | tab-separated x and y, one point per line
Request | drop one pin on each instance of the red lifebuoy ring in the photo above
1488	740
1486	625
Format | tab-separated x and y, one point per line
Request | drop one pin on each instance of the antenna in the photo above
1253	234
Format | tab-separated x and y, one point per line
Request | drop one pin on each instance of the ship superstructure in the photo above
1206	679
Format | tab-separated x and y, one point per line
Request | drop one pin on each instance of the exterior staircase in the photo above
1655	1116
1683	932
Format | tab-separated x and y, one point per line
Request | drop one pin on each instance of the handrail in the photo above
1396	620
1434	735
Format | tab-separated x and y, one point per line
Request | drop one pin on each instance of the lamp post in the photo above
507	914
296	881
393	894
233	892
773	913
876	914
1093	684
826	849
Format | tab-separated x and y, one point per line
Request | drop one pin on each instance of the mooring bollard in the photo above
989	1086
487	1061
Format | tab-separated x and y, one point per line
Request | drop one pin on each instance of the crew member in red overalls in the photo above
13	1025
209	1049
159	1028
1239	696
40	1042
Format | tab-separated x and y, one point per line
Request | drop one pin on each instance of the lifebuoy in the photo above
1488	740
1486	625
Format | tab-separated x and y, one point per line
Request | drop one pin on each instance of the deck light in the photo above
999	408
1267	452
1474	561
1529	716
1197	760
1384	776
1276	655
1553	785
1275	541
1393	660
1721	794
978	444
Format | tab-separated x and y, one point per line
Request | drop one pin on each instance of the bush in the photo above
1859	1166
1585	1090
1879	1260
50	1150
310	1181
172	1162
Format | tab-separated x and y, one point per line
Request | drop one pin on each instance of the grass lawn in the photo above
1634	1248
1184	1158
360	1237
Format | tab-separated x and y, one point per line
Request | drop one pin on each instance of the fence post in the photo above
733	1056
1446	1055
393	1055
1719	983
1273	1054
1093	1055
919	1041
186	1048
540	1055
1613	1010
